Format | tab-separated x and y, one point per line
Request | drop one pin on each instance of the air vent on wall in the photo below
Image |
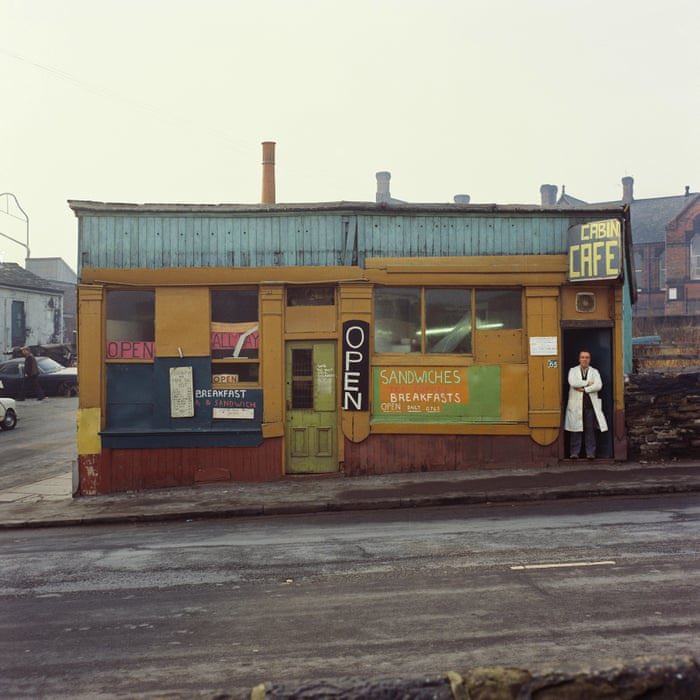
585	302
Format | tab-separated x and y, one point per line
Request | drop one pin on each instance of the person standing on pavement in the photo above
31	376
584	410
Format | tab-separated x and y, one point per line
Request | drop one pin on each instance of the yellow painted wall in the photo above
89	426
182	321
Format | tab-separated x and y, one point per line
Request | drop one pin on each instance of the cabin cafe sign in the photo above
595	251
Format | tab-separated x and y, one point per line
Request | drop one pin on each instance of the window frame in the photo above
438	356
218	363
106	319
694	253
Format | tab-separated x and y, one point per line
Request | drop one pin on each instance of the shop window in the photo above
695	256
234	324
310	296
662	269
235	338
639	269
441	320
130	326
448	321
397	319
499	309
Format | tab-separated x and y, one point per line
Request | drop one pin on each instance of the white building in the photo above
31	309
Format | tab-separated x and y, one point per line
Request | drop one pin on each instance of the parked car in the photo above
61	352
54	379
8	412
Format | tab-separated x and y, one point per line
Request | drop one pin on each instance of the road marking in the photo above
608	562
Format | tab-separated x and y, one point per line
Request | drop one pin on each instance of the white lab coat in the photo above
574	407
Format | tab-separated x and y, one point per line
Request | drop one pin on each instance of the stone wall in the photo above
663	415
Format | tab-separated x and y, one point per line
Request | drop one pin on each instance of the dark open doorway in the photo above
598	341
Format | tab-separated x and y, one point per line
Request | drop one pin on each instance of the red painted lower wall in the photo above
137	469
387	454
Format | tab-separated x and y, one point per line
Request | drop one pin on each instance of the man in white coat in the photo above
584	410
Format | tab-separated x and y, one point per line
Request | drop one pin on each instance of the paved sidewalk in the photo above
49	503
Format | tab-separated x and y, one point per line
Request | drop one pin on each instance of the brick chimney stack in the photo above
268	173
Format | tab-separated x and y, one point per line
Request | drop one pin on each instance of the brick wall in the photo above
662	412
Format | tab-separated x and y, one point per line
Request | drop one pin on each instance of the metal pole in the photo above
26	220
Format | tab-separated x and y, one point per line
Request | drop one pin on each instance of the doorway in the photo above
598	341
311	407
19	324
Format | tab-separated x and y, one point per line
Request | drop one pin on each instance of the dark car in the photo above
54	379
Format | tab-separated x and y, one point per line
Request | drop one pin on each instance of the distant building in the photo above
666	249
61	276
31	309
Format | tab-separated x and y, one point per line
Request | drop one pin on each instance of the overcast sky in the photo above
168	101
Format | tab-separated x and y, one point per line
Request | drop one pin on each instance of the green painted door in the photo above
311	408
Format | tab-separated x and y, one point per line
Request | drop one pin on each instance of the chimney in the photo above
268	173
687	190
548	195
383	191
627	189
462	199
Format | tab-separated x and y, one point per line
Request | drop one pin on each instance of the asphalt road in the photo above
42	445
95	612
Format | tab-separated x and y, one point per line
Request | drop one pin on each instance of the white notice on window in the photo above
245	413
543	345
181	392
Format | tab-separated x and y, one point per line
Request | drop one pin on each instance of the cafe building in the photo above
257	342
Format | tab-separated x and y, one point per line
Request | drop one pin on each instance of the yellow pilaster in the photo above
544	382
90	368
272	359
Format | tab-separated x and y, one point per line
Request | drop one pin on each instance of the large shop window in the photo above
397	319
434	320
498	309
235	337
130	325
438	320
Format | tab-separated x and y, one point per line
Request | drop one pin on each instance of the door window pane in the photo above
498	309
448	320
302	378
234	324
397	320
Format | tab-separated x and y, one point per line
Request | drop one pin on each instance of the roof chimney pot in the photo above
383	186
627	189
548	195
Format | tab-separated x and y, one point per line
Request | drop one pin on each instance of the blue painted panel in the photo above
130	396
167	438
310	238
